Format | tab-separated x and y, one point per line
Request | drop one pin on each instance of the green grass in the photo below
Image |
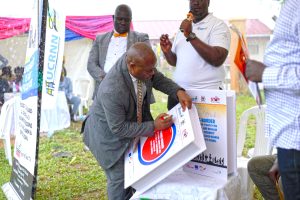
79	176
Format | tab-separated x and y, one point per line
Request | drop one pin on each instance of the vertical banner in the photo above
23	173
54	50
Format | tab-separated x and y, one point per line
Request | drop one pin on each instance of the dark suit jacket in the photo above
111	124
98	54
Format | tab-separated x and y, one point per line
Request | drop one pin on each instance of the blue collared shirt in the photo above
67	87
281	79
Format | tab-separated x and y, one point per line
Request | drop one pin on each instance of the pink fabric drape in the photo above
85	26
89	26
10	27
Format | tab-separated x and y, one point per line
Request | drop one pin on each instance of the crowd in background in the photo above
10	81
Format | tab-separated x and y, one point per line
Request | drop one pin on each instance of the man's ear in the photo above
131	66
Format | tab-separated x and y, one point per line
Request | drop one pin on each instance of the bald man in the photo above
112	121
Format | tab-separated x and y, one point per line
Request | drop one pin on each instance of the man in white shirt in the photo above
198	51
110	46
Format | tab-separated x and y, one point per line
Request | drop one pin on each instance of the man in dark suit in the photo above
112	121
110	46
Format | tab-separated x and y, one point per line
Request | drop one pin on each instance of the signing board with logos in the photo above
216	110
160	155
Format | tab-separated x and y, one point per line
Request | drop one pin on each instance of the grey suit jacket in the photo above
111	124
98	54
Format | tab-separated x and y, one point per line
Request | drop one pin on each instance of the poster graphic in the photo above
160	155
216	110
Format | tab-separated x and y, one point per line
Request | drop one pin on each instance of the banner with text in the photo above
54	50
23	173
216	110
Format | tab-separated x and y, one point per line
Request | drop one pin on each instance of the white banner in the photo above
54	51
23	172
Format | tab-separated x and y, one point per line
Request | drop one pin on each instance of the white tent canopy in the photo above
76	51
153	10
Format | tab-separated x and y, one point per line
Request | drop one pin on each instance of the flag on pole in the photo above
241	56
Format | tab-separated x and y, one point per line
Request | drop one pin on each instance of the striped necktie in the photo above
139	97
139	101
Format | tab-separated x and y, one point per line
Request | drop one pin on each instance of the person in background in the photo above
108	47
198	51
280	75
5	79
4	88
18	78
264	173
65	85
7	75
113	120
3	61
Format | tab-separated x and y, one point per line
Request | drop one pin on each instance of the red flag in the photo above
241	56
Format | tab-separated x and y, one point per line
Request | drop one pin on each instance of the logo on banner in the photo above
215	99
53	48
155	147
194	99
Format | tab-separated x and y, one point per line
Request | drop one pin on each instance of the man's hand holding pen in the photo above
163	121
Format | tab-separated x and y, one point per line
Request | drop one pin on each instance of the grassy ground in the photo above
78	176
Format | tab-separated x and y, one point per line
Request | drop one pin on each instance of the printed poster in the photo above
216	112
160	155
23	172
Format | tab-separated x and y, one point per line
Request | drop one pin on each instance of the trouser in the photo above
115	182
289	167
258	168
75	102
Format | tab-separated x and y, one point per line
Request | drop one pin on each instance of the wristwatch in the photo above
191	36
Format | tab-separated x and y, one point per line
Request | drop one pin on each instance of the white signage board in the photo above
216	110
158	156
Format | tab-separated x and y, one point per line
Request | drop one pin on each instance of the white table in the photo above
182	185
57	118
51	119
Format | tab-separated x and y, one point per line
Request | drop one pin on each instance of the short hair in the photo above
139	51
19	69
6	70
124	7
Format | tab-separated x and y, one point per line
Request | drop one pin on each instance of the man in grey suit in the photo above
110	46
112	124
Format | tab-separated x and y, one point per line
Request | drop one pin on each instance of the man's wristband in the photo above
191	36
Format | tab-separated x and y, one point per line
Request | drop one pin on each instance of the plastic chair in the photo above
261	146
82	89
6	127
